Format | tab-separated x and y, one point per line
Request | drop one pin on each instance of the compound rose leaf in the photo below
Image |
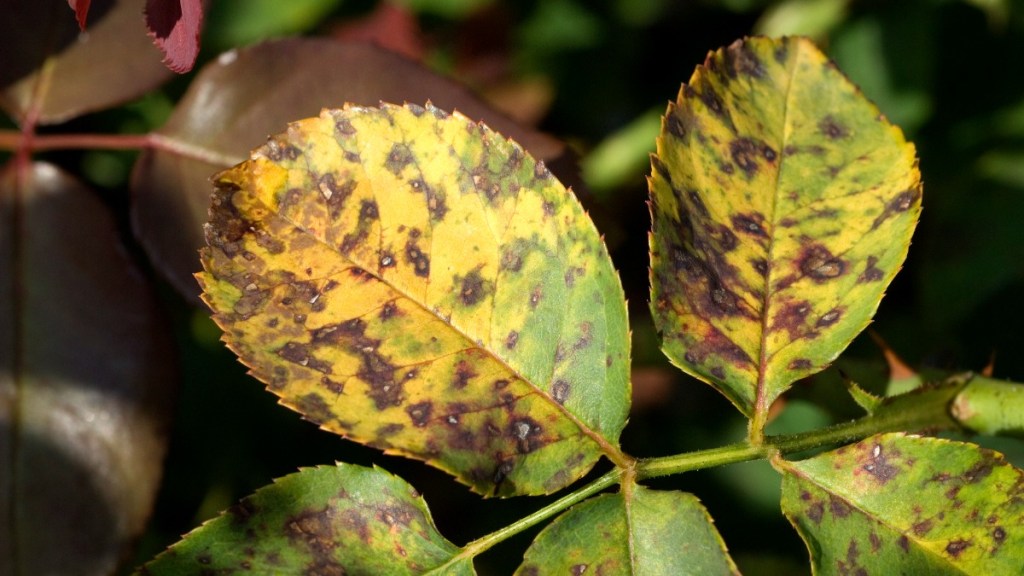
639	532
910	505
782	206
342	519
418	283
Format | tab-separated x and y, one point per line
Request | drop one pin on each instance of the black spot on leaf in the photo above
829	318
901	203
752	224
464	372
819	264
792	317
560	391
419	413
512	339
399	157
745	154
956	547
416	258
832	128
800	364
871	272
472	287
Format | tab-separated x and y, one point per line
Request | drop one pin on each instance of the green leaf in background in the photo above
927	505
342	519
417	282
639	532
87	381
782	206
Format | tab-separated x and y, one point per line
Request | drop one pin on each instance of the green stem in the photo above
923	409
481	544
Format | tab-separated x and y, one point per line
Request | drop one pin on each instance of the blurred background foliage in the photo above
598	74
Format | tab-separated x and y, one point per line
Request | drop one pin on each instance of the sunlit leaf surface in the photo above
782	205
646	532
327	520
86	381
416	282
246	94
909	505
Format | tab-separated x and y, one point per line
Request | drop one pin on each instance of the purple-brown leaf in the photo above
174	26
85	382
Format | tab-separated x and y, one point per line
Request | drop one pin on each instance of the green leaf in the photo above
910	505
639	532
245	94
342	519
782	206
418	283
87	380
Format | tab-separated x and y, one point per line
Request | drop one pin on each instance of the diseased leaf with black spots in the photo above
342	519
782	205
924	505
418	283
635	532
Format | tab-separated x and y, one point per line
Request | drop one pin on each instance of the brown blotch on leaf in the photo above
416	258
387	259
901	203
792	318
313	407
560	391
536	295
816	511
541	172
675	125
904	543
698	203
829	318
419	413
875	540
399	157
359	275
578	569
527	434
711	99
740	60
333	194
512	339
746	152
585	336
999	534
368	210
512	256
956	547
817	263
879	466
752	224
979	471
301	354
839	508
472	288
436	200
871	272
388	310
800	364
923	527
832	128
464	372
